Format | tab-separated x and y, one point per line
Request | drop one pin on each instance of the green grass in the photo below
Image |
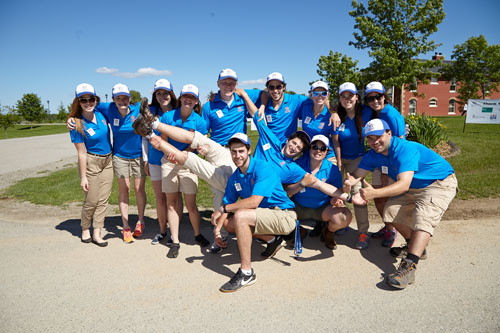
477	168
23	131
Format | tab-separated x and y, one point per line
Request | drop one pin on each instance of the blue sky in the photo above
49	47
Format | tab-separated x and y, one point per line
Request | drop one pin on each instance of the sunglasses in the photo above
317	93
372	98
275	87
322	148
87	100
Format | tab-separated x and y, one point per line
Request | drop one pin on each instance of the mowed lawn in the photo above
477	168
23	131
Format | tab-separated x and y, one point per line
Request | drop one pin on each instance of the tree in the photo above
8	118
135	96
336	69
476	67
62	115
30	108
396	33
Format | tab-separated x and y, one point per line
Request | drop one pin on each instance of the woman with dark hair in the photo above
177	179
377	100
93	144
162	101
350	147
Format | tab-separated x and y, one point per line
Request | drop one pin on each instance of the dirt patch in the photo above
447	149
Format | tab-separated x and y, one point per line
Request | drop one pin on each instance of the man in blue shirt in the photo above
263	210
424	187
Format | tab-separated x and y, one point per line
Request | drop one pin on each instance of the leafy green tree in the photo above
30	108
63	112
396	33
8	118
476	67
337	68
135	96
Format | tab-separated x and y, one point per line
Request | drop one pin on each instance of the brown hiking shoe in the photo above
404	274
329	239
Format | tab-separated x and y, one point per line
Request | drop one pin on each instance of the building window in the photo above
451	106
434	80
413	107
413	86
433	103
453	85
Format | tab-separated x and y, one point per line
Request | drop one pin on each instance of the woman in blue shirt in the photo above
177	179
93	145
350	147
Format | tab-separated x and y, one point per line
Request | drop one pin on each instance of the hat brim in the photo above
227	77
85	93
349	90
374	90
121	94
377	133
164	88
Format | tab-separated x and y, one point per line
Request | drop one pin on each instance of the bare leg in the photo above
337	217
244	220
173	216
176	133
194	214
123	193
140	197
161	206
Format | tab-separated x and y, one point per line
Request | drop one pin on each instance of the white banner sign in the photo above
483	111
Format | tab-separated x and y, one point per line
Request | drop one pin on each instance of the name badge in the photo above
91	131
266	146
116	122
240	109
385	170
303	190
219	113
307	120
287	110
321	125
269	118
342	127
237	186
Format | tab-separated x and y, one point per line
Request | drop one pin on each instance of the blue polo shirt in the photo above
126	143
154	155
193	123
269	149
328	173
283	122
393	118
350	145
403	156
96	139
261	180
225	120
316	125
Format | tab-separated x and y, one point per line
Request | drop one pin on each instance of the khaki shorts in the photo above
305	213
378	179
154	172
275	221
422	208
176	178
126	168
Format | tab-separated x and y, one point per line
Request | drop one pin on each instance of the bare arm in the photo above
402	185
336	149
252	109
82	165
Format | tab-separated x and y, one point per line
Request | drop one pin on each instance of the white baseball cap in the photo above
374	87
227	73
322	138
319	84
240	137
190	89
84	88
348	86
376	127
163	84
275	76
120	89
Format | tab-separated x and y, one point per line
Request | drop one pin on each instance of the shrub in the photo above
426	130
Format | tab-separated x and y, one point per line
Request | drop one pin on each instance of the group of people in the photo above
303	175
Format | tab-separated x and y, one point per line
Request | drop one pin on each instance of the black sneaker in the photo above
238	281
201	240
174	250
317	229
404	274
402	252
273	247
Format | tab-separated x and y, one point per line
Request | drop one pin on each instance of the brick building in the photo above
437	98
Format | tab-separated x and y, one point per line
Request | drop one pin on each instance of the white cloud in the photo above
146	71
250	82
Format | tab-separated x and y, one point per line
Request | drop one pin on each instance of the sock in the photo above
272	240
156	122
247	272
413	258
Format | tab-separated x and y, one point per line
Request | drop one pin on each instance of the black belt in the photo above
98	155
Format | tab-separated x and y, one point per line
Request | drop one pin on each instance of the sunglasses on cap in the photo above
372	98
279	87
316	147
322	93
87	100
